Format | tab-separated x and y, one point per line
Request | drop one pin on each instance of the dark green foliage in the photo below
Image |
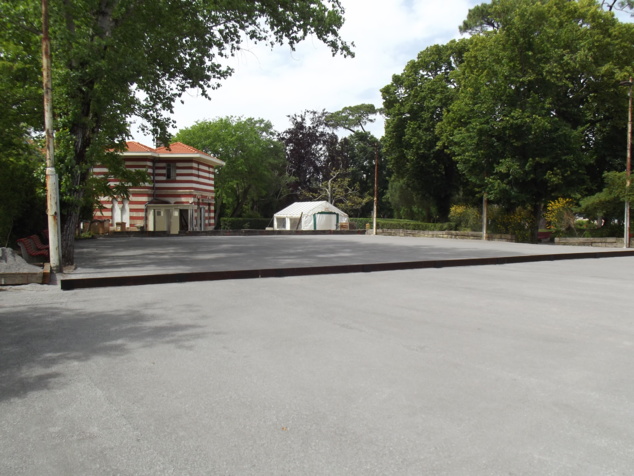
387	224
424	172
352	118
609	203
538	109
22	197
359	152
311	152
227	223
253	181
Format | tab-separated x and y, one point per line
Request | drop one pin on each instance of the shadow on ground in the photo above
37	341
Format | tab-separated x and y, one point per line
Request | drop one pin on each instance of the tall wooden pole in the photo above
52	185
485	209
376	186
628	166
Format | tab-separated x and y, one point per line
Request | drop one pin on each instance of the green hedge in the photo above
245	223
389	224
355	223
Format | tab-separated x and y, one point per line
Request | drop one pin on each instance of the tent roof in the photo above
307	208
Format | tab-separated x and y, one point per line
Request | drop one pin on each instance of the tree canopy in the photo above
535	87
352	118
415	103
311	151
526	109
252	182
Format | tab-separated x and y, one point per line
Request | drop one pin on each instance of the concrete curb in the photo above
111	281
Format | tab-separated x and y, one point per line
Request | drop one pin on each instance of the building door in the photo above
183	220
160	219
202	225
173	224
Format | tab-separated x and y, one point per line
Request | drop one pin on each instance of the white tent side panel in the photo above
325	221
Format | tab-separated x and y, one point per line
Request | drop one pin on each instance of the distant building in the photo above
179	197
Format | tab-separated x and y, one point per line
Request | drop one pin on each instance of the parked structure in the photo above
310	216
179	196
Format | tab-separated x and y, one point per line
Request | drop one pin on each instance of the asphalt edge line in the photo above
138	280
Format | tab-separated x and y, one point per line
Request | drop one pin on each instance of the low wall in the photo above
612	242
454	235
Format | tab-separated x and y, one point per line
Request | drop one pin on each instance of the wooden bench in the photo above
30	253
38	243
544	236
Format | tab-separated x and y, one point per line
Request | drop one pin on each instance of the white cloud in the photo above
273	84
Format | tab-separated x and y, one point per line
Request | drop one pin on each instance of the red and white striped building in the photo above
179	196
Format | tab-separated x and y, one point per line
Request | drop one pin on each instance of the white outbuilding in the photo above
309	216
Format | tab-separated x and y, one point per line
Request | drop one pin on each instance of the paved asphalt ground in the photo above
522	369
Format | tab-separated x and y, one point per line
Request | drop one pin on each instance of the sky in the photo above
274	84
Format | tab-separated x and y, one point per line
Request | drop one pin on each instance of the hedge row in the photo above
355	223
245	223
389	224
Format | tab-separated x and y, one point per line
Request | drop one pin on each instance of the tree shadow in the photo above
36	341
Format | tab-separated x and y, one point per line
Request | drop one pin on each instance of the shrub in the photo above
389	224
465	218
518	222
560	216
244	223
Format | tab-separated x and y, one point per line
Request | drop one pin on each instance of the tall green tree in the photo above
414	104
360	150
312	153
537	99
608	203
22	201
118	59
341	191
353	118
253	182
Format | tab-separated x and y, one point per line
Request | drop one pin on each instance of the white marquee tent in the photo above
309	216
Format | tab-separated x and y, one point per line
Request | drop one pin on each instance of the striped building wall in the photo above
181	183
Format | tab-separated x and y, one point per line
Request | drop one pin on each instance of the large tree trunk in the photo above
68	239
242	199
71	220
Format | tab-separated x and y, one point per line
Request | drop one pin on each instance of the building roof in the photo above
179	148
175	149
132	146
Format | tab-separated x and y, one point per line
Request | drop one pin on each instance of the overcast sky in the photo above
273	84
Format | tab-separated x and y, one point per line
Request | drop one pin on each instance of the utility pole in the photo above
485	208
376	186
628	166
52	185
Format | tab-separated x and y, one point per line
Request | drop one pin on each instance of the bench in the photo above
38	243
544	236
30	253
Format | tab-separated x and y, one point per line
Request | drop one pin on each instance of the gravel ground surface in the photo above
513	369
11	262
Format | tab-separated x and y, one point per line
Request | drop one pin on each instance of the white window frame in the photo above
170	171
